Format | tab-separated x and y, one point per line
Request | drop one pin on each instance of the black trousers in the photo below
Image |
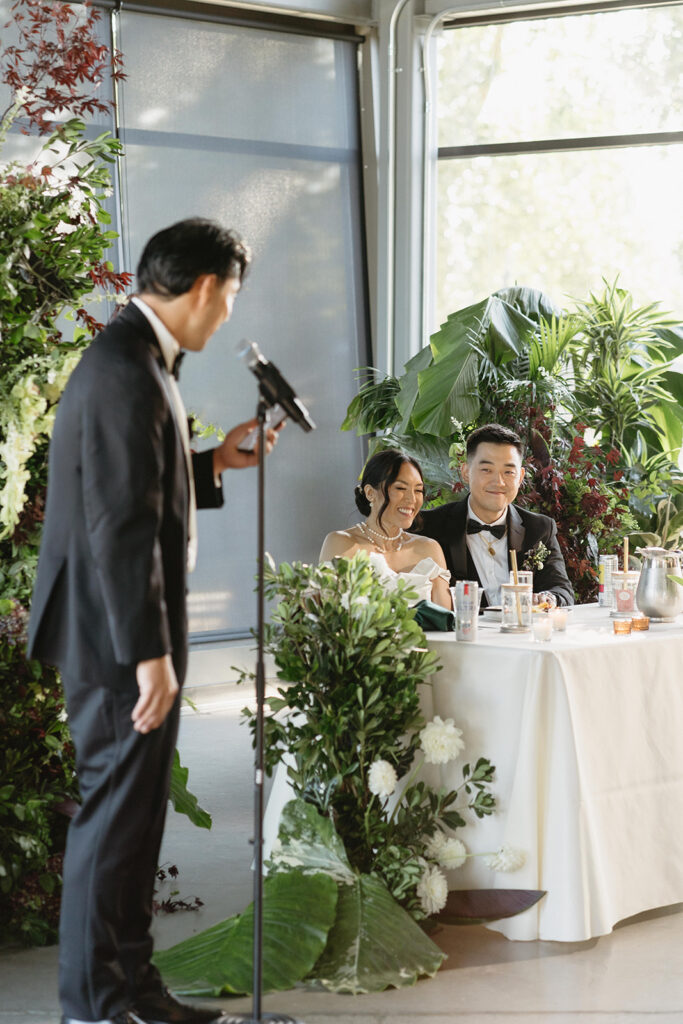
112	851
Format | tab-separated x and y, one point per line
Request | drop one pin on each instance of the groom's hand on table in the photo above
545	600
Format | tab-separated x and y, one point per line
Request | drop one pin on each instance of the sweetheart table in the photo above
586	733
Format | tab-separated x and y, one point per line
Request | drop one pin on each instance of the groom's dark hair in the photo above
493	433
174	258
380	471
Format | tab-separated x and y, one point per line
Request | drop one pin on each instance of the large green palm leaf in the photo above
491	330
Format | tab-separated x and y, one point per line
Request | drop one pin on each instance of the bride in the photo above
390	495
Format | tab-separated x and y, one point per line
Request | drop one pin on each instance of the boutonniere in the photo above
535	557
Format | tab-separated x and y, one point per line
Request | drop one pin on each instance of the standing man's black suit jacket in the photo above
447	525
111	584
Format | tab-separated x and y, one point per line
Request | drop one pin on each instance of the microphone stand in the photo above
257	1017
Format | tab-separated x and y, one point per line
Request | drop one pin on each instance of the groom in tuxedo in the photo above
109	607
478	533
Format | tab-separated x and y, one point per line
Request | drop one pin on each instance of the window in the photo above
258	129
561	157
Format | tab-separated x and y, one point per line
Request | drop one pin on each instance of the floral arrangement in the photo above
53	227
354	658
346	726
55	242
54	248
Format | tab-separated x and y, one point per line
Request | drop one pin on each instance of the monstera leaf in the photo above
298	911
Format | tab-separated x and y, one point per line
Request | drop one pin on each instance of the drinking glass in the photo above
624	587
516	613
525	576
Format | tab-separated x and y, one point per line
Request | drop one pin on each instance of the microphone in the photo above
274	387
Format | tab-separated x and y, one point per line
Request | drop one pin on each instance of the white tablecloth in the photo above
586	733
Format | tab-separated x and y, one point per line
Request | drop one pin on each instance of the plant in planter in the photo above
349	729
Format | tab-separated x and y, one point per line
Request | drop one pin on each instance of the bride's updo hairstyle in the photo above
380	472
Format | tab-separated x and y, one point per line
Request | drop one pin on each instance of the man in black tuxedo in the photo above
477	533
109	607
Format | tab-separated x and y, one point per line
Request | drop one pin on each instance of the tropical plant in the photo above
622	357
347	725
601	372
350	651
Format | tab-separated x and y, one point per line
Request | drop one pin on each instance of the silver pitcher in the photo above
657	595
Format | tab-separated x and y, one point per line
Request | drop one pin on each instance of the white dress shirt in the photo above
492	568
169	350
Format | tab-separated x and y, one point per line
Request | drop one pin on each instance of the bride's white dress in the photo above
420	578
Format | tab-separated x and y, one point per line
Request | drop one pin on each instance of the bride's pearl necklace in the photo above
397	542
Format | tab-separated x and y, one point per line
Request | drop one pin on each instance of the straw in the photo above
513	562
625	554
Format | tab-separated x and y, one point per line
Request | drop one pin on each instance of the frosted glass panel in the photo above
238	82
279	164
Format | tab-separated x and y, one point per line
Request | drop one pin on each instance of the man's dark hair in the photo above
493	433
174	258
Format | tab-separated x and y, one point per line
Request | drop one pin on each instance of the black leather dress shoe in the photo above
120	1018
163	1008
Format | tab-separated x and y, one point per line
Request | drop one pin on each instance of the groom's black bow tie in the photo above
175	369
474	527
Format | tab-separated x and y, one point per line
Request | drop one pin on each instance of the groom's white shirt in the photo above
492	569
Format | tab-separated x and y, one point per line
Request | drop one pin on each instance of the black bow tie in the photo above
474	527
175	369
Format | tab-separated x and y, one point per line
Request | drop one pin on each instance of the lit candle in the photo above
542	626
559	617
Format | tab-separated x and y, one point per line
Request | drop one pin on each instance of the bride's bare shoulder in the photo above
340	544
428	548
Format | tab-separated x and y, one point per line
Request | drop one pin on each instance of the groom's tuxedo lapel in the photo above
516	533
461	559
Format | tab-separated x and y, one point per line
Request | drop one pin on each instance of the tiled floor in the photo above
634	975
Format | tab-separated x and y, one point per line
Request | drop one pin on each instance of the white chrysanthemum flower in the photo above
382	778
508	858
432	890
434	845
452	854
441	741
